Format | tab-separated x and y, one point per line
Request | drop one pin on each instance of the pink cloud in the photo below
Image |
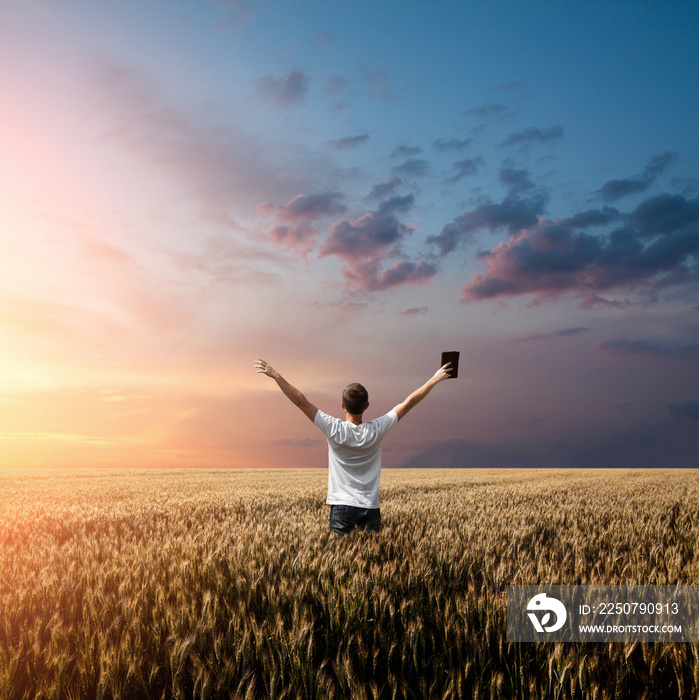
299	238
369	275
312	207
295	227
365	242
220	168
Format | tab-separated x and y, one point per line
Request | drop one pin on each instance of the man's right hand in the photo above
419	394
262	367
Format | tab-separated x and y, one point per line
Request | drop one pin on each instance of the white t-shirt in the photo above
354	458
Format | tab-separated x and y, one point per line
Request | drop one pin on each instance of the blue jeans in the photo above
344	519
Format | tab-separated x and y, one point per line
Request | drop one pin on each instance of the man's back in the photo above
354	458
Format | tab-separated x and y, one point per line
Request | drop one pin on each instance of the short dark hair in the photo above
355	397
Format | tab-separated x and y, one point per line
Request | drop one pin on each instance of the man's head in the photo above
355	399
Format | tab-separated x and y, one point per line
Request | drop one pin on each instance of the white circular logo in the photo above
542	603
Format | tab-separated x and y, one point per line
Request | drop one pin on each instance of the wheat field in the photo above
229	584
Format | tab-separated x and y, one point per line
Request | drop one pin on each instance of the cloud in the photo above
638	446
655	246
469	166
348	142
514	87
415	311
311	207
656	445
295	227
649	349
365	242
688	186
533	134
236	12
406	151
378	81
323	40
334	85
564	333
513	213
385	189
221	168
594	217
688	408
614	190
413	167
369	277
451	144
665	213
517	181
472	454
371	233
299	237
286	90
490	111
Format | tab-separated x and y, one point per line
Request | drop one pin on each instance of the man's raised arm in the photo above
291	392
419	394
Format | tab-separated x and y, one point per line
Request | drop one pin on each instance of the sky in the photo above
347	190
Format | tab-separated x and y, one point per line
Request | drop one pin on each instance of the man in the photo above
354	448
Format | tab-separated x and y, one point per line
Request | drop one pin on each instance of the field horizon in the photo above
139	583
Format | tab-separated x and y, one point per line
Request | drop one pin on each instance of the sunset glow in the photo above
347	192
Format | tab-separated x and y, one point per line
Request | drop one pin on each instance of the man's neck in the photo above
357	420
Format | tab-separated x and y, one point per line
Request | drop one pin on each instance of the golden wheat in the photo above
207	584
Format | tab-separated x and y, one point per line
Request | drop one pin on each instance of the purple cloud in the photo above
656	246
469	166
368	276
370	233
513	213
348	142
323	40
415	311
378	81
649	349
334	85
413	167
488	112
533	134
236	12
299	237
286	90
406	151
675	443
613	190
364	243
295	227
312	206
385	189
564	333
688	408
451	144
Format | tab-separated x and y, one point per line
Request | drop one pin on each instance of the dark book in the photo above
452	357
